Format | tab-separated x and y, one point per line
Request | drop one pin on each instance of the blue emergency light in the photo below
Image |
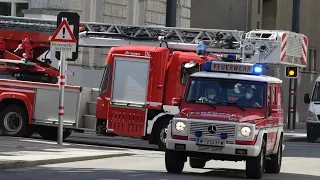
241	68
231	57
257	69
207	66
201	48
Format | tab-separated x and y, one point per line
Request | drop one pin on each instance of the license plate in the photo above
210	142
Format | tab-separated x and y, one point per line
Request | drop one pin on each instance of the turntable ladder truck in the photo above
23	40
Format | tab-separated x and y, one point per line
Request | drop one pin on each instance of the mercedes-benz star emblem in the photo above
212	129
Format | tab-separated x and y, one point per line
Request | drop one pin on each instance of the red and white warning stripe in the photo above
61	110
62	80
304	50
283	46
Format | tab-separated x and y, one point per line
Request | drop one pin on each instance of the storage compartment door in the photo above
127	113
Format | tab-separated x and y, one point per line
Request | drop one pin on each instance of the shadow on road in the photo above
120	142
98	174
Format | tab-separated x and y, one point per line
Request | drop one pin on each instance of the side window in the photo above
269	95
186	72
316	92
279	92
273	95
104	86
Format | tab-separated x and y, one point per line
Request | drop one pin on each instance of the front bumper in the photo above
314	127
228	149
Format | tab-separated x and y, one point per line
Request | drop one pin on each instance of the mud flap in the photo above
127	121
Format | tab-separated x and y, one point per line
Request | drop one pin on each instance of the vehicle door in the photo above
137	86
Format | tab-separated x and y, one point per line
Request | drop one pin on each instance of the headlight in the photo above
180	126
311	116
245	131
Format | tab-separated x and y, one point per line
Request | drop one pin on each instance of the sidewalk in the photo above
23	152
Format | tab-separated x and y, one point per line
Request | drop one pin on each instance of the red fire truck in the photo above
142	79
230	111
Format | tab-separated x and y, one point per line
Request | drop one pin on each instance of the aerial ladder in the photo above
24	40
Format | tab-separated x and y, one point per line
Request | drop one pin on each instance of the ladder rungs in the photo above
142	33
109	42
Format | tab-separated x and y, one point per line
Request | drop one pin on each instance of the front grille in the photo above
230	129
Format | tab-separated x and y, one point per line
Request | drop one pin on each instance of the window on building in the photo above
259	6
5	8
20	7
258	25
312	60
309	62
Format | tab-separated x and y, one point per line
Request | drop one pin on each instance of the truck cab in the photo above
138	90
228	112
312	122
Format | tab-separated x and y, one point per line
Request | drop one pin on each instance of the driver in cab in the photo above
211	96
249	98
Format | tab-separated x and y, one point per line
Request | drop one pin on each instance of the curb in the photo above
24	164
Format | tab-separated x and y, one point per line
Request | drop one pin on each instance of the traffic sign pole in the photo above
61	96
63	40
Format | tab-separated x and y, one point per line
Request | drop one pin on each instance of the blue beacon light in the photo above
201	48
207	66
231	57
257	69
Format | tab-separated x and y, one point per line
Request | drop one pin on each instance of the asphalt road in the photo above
301	162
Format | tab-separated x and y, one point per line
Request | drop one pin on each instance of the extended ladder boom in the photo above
258	46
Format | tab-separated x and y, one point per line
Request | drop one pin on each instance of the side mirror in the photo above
176	101
306	98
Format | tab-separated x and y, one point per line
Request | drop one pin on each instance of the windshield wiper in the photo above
226	103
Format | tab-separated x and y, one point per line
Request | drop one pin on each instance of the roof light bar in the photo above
241	68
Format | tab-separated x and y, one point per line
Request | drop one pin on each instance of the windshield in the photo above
104	86
316	92
187	71
244	94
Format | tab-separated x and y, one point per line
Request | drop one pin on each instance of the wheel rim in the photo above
12	122
163	134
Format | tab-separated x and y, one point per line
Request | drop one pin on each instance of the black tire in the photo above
274	164
311	137
159	134
197	163
15	121
174	161
255	166
51	133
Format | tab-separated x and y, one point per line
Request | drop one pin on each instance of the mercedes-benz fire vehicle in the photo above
142	78
230	111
